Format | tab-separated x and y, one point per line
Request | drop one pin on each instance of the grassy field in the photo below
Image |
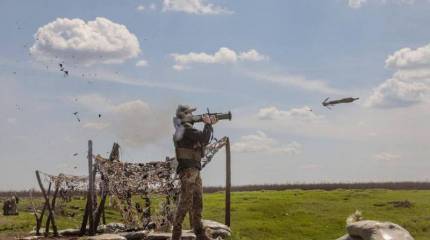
291	214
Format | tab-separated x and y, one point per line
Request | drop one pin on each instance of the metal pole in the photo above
227	182
90	188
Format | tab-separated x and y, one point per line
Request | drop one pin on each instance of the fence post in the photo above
91	231
227	182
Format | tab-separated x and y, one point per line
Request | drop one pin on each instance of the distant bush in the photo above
280	187
327	186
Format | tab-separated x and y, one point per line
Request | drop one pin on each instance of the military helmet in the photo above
183	110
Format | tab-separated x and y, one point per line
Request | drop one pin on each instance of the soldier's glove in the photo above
211	120
214	119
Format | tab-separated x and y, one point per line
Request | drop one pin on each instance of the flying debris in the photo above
77	116
62	69
100	115
328	104
75	154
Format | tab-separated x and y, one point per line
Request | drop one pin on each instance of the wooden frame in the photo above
49	205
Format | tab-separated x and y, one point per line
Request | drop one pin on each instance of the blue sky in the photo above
270	62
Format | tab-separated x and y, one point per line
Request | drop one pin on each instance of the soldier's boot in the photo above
201	234
176	233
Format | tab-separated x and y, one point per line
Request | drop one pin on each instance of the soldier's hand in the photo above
209	119
206	119
213	119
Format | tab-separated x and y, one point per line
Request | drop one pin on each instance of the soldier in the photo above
10	206
189	144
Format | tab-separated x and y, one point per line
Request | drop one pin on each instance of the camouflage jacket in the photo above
193	141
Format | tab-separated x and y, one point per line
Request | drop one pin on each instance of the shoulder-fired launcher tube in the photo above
219	116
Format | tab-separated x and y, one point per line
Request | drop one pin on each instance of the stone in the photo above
107	236
69	232
347	237
216	230
135	235
165	236
111	228
41	231
30	238
374	230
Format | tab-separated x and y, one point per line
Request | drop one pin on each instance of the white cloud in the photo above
11	120
140	8
261	143
142	63
311	167
135	122
294	114
223	56
252	55
409	58
104	74
199	7
296	81
356	3
399	93
94	102
77	41
96	125
385	156
410	83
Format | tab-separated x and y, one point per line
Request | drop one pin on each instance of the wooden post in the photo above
227	182
114	154
100	210
90	196
46	200
40	218
85	218
104	215
51	217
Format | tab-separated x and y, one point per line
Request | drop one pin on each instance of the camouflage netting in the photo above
121	180
67	182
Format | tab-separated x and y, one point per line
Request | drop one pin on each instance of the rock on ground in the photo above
164	236
69	232
111	228
374	230
347	237
135	235
30	238
216	230
104	237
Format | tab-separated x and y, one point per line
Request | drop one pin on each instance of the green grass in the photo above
292	214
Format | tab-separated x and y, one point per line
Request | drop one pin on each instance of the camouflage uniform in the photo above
10	206
189	151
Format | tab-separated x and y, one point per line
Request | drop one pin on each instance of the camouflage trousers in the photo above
190	200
